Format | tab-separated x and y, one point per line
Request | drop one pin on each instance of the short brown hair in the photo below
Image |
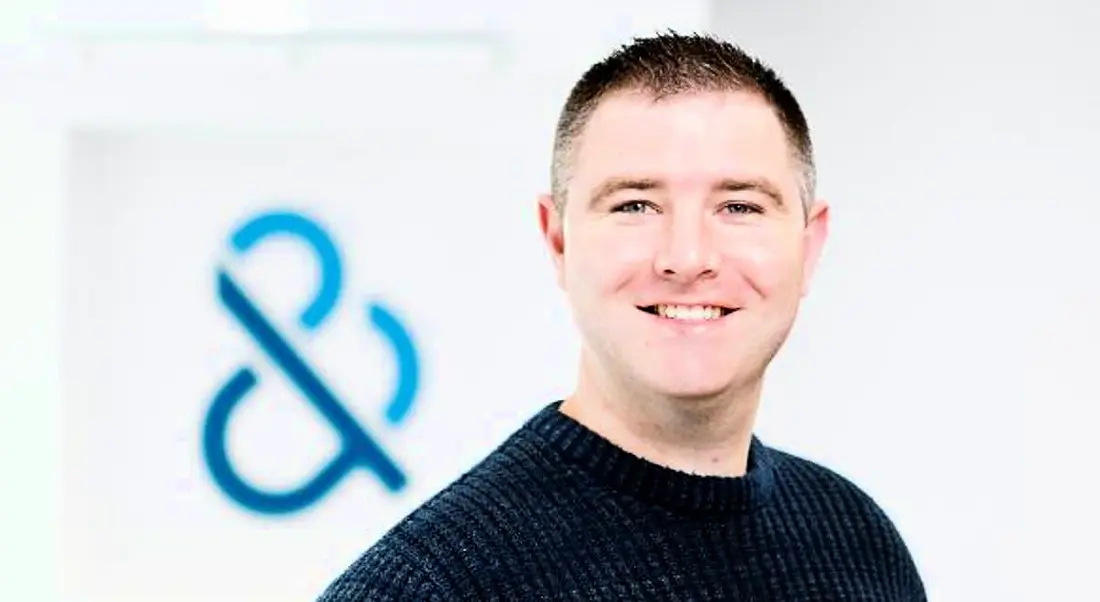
669	64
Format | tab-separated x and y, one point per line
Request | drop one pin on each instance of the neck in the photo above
704	436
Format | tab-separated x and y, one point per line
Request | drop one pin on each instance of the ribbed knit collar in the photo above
653	483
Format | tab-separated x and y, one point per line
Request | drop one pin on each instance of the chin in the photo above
692	391
699	381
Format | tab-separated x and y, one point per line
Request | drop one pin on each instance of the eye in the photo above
632	207
741	208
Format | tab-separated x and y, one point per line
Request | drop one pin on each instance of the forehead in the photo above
687	140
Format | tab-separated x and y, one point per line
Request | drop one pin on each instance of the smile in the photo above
688	313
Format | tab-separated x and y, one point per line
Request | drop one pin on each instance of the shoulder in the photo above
829	502
388	572
813	485
427	554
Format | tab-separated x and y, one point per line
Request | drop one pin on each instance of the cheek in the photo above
772	266
598	264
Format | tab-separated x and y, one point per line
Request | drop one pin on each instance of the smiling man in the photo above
684	229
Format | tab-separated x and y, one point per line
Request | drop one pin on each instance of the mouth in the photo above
688	313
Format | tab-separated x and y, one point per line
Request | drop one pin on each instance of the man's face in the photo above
683	247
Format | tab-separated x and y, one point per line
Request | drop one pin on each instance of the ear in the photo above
552	226
813	240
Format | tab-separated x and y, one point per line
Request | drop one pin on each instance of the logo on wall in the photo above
358	448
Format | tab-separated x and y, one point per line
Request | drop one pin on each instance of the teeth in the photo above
689	312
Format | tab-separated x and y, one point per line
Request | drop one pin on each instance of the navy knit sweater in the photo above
559	513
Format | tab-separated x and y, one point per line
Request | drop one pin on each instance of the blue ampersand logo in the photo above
358	448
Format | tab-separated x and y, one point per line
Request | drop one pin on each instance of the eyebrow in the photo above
761	185
613	185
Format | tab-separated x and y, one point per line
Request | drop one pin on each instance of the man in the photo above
684	230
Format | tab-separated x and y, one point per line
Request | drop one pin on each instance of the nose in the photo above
687	252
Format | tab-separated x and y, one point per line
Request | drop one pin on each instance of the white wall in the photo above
30	329
946	357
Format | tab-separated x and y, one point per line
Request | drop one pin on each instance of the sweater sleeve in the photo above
908	585
382	574
909	579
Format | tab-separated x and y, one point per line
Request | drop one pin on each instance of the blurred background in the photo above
365	173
